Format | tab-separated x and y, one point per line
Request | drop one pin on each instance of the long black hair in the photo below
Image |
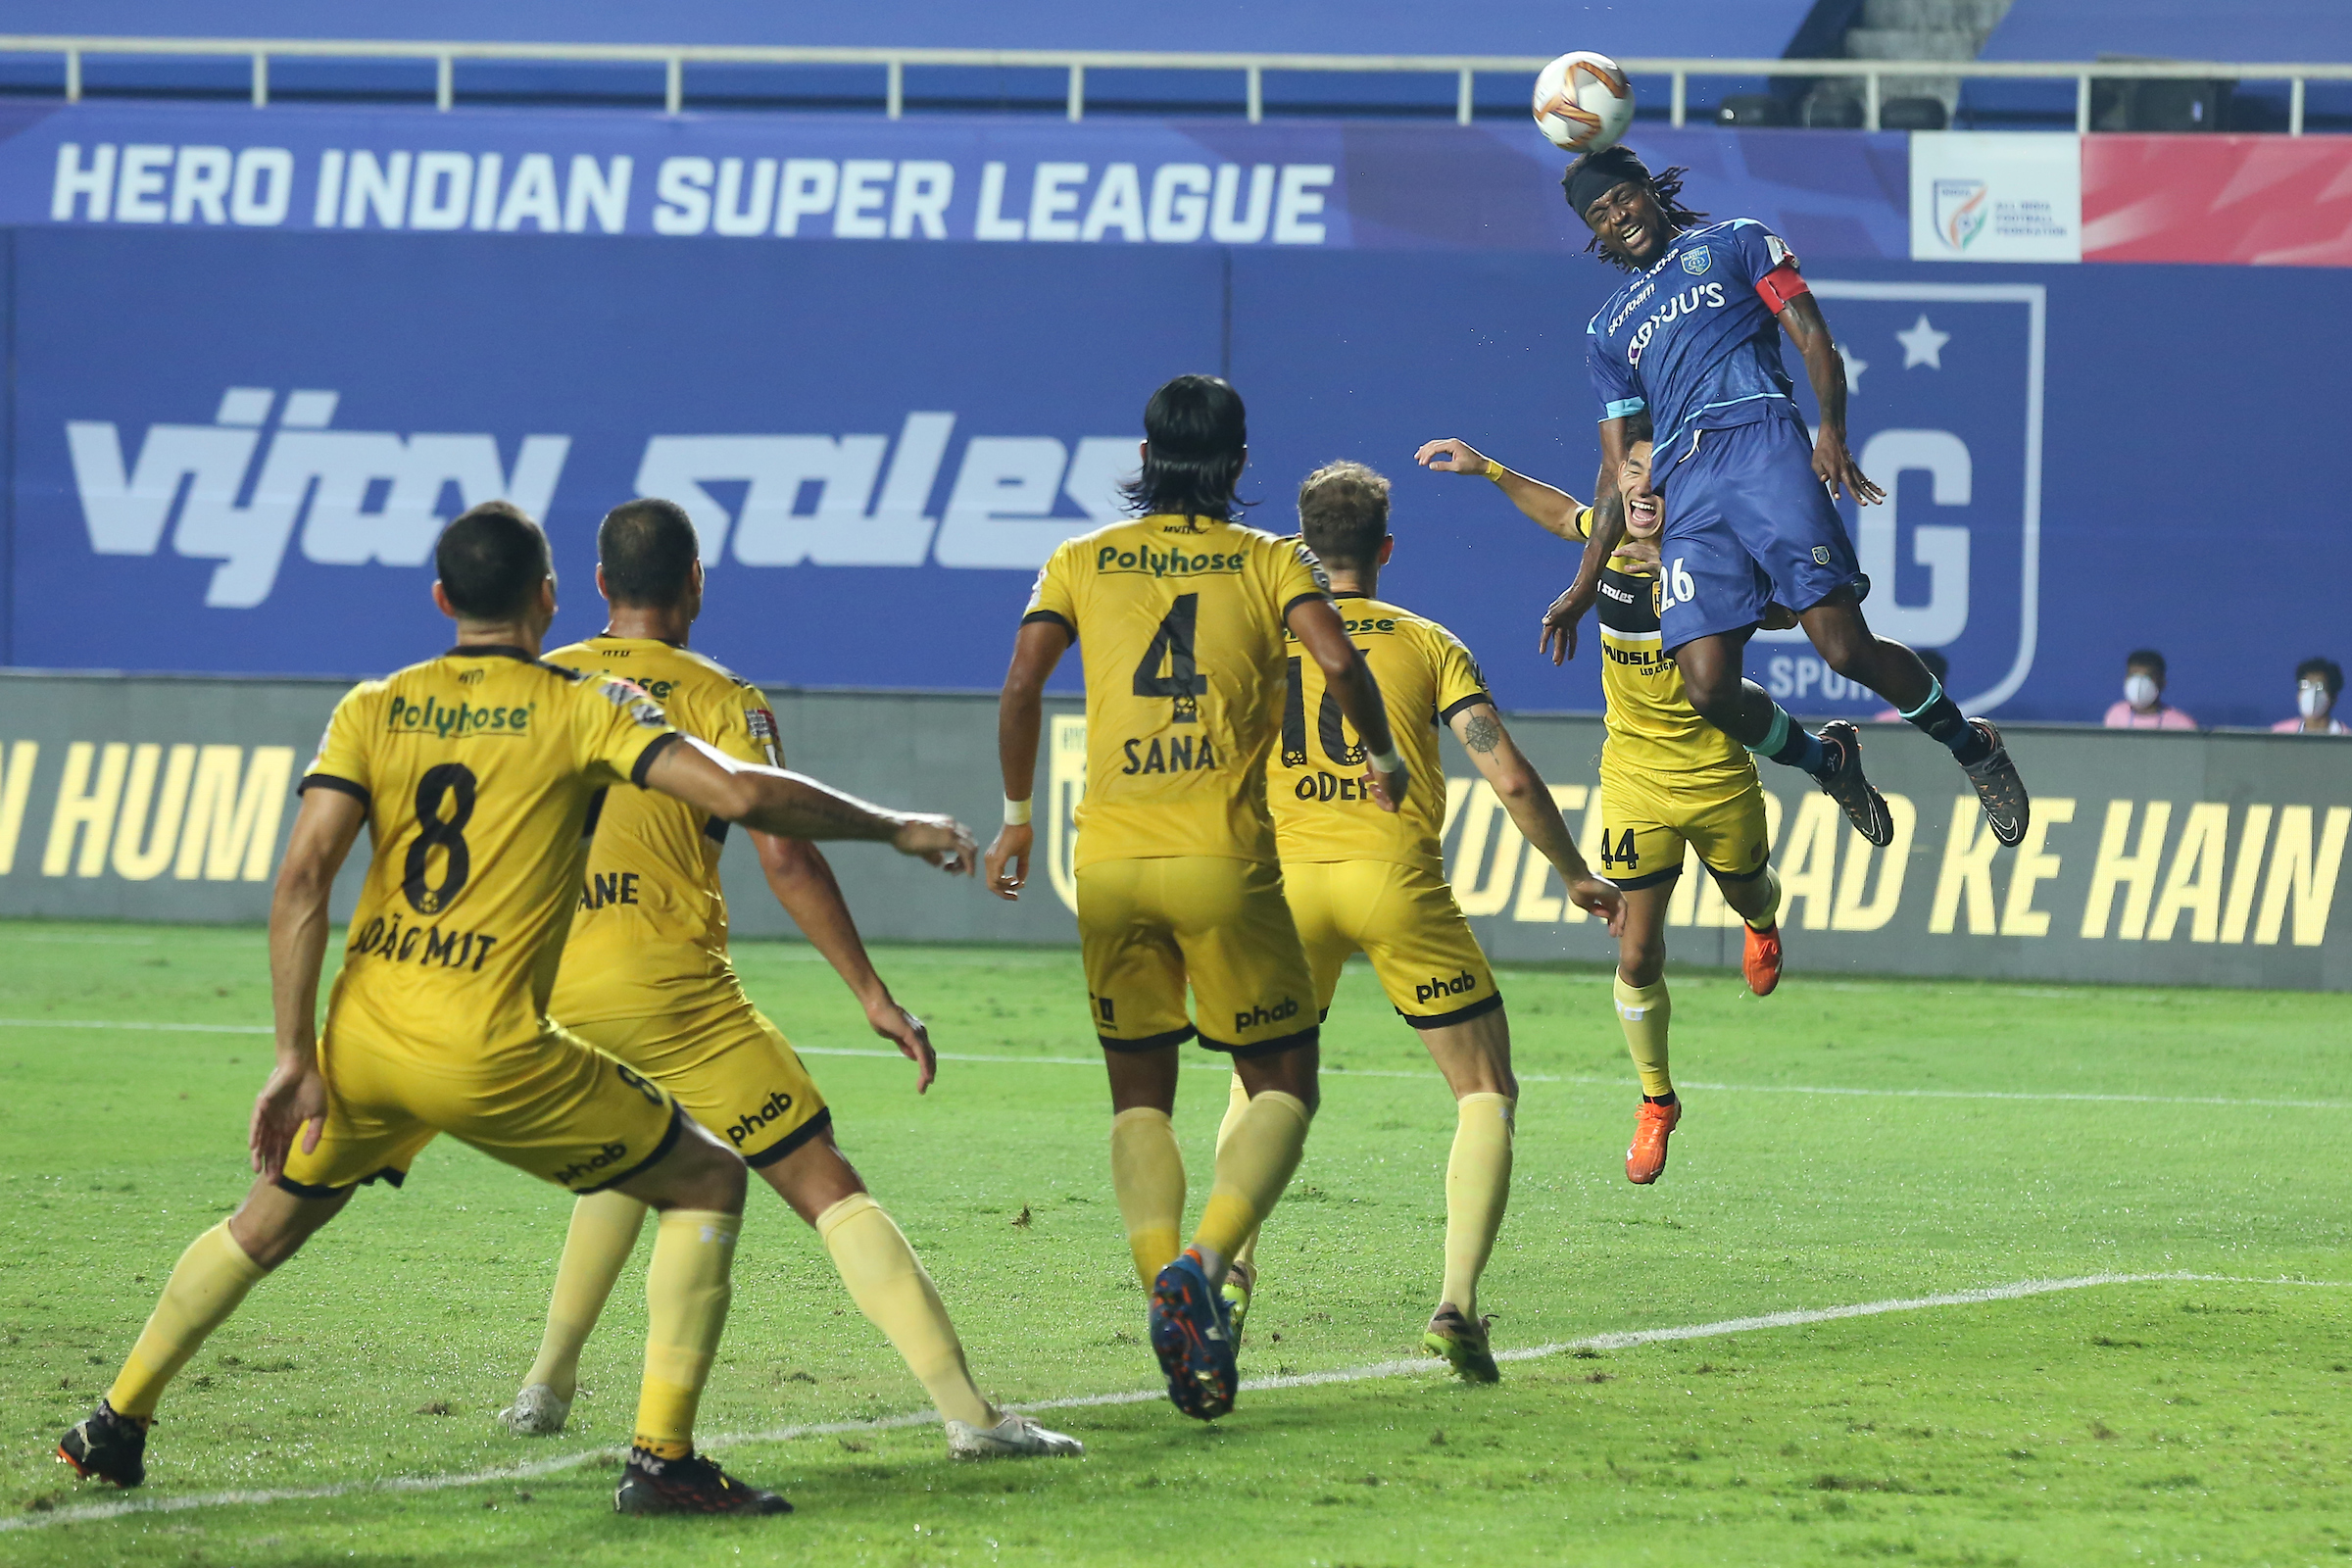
1604	170
1197	435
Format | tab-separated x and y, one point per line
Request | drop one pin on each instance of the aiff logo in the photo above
1960	209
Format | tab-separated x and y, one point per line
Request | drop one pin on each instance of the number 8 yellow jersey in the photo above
477	769
1180	625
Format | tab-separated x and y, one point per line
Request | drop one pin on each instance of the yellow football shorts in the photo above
548	1105
730	1068
1646	818
1404	920
1147	927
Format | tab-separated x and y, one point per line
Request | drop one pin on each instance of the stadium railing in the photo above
1253	68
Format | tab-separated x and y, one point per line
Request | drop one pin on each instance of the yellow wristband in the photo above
1495	470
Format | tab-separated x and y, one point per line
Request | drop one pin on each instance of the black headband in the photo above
1596	174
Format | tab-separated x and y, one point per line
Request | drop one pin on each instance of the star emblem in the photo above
1856	365
1922	344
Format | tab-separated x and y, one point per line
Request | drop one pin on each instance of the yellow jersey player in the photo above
1360	880
647	980
474	775
1668	779
1179	615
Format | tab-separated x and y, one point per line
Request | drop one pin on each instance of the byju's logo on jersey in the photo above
1961	208
1945	410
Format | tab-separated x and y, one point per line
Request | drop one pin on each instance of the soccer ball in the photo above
1583	102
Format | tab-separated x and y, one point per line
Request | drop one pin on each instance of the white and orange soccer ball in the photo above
1583	102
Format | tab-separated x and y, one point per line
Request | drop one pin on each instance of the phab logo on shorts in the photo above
1697	261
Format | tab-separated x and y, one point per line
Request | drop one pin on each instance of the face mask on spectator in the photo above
2139	690
2312	698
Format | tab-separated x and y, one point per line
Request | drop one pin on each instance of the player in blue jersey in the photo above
1750	520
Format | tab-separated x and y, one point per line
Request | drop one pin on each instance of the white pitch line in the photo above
1344	1072
1623	1339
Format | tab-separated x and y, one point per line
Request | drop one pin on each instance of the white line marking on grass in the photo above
1338	1071
1425	1367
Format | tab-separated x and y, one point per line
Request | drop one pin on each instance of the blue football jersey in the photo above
1692	340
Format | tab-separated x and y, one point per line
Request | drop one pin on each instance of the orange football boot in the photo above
1652	1126
1760	959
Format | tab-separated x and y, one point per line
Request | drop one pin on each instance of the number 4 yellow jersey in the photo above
477	769
1321	811
1180	622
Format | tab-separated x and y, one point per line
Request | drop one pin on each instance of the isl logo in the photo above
1960	209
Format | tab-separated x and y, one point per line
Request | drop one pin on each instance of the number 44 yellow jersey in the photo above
1180	622
477	769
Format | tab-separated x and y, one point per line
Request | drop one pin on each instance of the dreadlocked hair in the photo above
1665	188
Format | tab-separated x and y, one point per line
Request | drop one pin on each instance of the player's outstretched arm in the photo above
1324	635
1825	367
1608	527
1020	717
1550	509
295	1097
1524	795
769	800
802	879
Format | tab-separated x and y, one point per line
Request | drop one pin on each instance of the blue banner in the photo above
234	443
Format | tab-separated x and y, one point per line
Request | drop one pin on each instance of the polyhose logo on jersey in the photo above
269	475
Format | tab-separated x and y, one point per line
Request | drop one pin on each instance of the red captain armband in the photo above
1780	286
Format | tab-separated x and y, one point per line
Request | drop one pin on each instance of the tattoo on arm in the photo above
1481	733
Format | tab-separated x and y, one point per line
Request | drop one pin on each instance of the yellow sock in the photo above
206	1282
1236	1101
1644	1011
889	1284
1772	911
1253	1167
603	1232
1147	1172
1478	1183
686	1293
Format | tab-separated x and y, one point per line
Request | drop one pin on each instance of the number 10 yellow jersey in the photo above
1180	624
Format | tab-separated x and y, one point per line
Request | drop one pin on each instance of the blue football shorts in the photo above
1747	522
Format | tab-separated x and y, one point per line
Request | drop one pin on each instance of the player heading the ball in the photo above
1749	513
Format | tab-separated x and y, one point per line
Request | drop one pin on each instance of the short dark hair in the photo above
1196	433
647	549
491	559
1343	513
2145	658
2329	671
1638	428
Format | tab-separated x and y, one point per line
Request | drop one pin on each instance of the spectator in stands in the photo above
1937	666
2143	705
2319	682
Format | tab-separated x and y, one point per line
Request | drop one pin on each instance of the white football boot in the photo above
1015	1437
536	1412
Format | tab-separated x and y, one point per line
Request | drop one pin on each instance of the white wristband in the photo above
1016	812
1387	761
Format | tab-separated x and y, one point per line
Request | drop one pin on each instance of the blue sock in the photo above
1792	744
1941	719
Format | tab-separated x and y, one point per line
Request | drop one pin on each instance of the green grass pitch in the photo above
1983	1136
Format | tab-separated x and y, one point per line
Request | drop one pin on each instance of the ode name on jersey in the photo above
432	716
